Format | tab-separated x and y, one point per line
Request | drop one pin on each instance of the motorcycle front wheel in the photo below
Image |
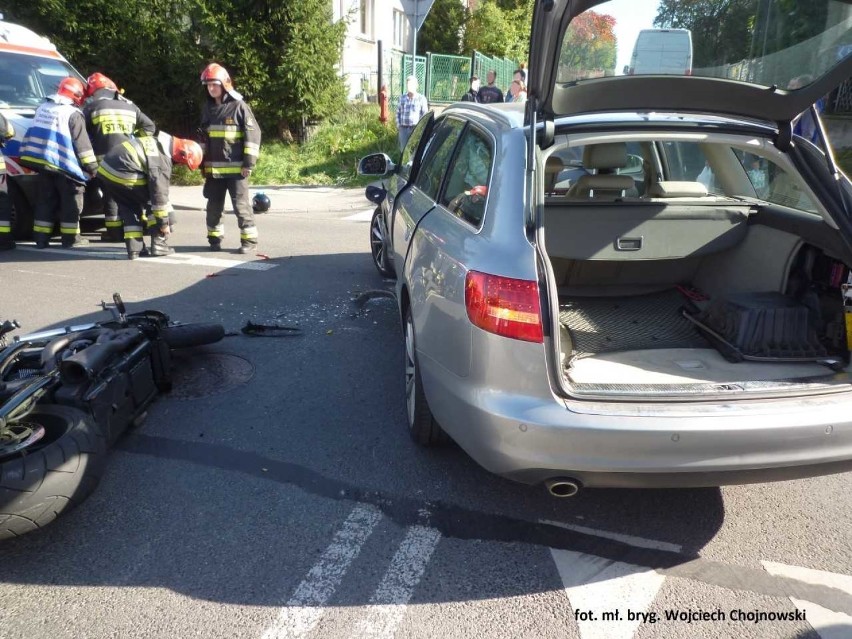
57	471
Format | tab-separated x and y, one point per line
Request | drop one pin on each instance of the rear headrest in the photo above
612	155
554	164
677	189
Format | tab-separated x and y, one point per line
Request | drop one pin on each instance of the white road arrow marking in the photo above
609	598
827	623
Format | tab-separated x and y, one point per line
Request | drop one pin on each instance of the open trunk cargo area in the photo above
695	299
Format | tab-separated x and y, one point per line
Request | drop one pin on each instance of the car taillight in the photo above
504	306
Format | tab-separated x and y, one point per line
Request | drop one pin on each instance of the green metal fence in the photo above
504	68
443	78
448	78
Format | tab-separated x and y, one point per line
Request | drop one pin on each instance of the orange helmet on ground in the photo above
187	152
216	73
72	89
98	81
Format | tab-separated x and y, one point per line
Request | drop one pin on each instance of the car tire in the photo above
22	213
422	426
378	246
55	474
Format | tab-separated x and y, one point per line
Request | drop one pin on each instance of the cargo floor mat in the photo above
603	325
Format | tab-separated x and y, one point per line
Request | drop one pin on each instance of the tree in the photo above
721	29
499	32
443	28
283	55
589	46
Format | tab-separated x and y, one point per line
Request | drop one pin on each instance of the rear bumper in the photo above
530	439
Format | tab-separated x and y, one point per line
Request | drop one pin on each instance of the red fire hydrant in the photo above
383	104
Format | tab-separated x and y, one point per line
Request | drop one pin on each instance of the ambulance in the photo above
30	68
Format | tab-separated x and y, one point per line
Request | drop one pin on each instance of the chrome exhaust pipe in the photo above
562	486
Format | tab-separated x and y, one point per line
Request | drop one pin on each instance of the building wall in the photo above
369	21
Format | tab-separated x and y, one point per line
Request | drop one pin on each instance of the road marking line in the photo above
596	586
639	542
389	602
364	216
185	260
828	624
306	606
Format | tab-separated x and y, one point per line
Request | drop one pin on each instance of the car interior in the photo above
690	266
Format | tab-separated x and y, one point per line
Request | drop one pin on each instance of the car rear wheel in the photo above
421	424
378	247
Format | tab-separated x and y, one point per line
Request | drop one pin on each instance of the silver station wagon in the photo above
633	280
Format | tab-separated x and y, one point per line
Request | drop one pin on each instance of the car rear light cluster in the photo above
504	306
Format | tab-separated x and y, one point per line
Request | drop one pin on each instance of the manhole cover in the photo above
197	374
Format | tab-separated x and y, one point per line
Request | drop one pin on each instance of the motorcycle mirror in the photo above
119	306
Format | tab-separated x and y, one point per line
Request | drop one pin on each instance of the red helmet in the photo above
187	152
99	81
72	89
216	73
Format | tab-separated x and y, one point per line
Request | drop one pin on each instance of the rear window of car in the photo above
469	174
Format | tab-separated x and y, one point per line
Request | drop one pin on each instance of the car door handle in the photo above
628	244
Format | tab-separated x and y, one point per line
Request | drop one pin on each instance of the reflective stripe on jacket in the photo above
112	119
232	137
49	143
143	169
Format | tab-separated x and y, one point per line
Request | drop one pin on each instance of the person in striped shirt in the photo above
412	106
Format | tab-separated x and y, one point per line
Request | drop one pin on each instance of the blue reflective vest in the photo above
48	142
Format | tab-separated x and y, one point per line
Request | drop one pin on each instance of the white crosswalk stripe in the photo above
177	259
389	602
306	606
363	216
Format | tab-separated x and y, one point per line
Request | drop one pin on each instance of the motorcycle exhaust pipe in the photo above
88	363
562	486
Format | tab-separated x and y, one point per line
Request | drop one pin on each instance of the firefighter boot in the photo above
112	234
74	241
160	246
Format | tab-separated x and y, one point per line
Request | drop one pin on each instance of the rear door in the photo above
748	56
418	199
442	249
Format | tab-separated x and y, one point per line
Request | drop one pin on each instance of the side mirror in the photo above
626	69
378	164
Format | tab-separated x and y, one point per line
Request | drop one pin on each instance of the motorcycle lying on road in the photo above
67	394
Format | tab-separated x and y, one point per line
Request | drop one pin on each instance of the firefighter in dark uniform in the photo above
56	145
110	120
232	145
137	174
7	240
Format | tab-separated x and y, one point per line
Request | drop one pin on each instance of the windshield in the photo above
786	43
25	80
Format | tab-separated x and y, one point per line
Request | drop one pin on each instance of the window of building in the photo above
365	15
399	22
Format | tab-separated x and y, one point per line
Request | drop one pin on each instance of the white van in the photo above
662	51
30	69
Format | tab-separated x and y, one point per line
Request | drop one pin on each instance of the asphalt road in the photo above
293	504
